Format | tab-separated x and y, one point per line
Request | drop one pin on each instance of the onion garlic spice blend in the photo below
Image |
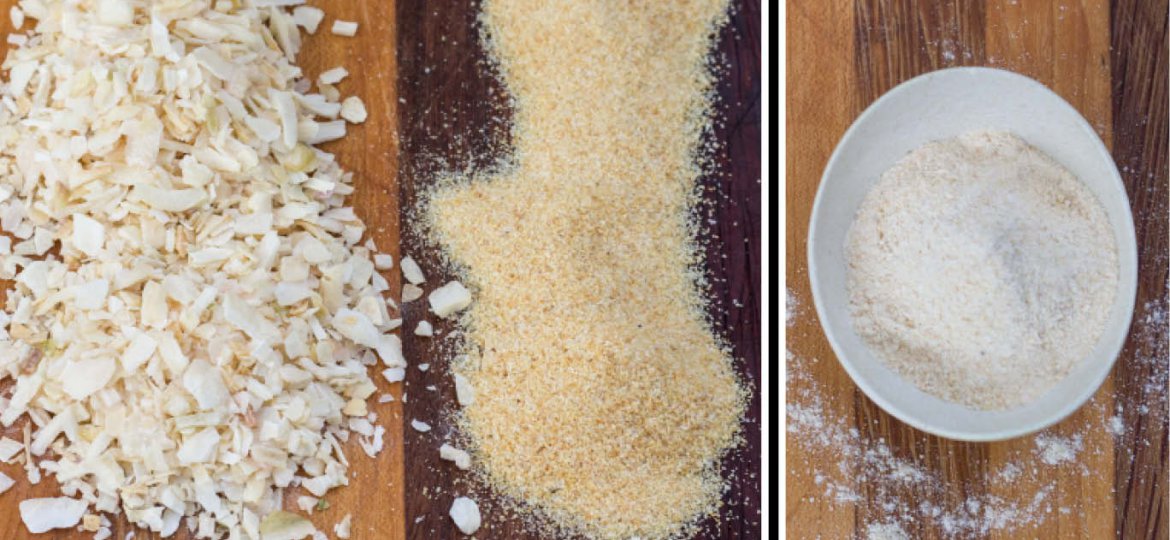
981	270
601	396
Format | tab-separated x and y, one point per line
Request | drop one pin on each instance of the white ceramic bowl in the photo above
935	106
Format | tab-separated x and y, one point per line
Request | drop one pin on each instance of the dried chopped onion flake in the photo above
465	513
203	334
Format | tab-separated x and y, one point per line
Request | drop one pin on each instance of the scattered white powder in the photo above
981	270
1009	473
791	309
1056	450
886	531
872	467
1116	426
866	472
1152	353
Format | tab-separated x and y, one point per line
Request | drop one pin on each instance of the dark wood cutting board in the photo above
453	114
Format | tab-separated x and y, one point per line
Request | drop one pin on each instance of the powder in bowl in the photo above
981	270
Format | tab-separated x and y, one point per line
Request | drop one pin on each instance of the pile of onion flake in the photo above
194	310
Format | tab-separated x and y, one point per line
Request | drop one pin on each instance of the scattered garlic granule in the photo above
308	17
342	528
465	513
333	76
411	271
411	292
353	110
461	458
344	28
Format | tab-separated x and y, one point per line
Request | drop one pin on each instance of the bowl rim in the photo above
1128	251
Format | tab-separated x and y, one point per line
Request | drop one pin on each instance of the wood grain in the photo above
1141	135
1108	61
455	117
1064	46
375	494
820	107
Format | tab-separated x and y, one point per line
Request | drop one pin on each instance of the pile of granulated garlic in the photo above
604	398
194	310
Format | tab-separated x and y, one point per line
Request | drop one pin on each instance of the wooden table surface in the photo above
433	105
1109	60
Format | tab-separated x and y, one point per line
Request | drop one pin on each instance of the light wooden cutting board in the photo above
375	493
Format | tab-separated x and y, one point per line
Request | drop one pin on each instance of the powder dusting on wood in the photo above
896	493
